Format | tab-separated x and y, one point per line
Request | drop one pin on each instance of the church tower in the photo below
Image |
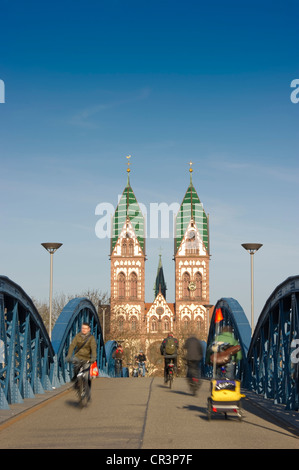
127	257
192	257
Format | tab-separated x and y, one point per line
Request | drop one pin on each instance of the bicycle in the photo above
82	380
134	369
118	367
140	368
193	376
170	373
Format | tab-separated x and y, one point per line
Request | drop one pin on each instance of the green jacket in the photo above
226	337
88	352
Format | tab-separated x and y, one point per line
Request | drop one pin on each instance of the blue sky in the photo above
87	83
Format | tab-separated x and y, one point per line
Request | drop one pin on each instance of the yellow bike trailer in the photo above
225	397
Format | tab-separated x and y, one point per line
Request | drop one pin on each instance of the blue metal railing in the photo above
27	355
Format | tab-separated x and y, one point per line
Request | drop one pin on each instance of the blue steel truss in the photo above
234	316
68	324
273	356
110	347
31	364
26	352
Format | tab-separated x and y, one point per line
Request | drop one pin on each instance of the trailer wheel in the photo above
209	410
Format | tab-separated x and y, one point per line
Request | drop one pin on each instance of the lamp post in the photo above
51	248
103	325
252	248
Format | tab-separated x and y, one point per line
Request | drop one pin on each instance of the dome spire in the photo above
190	170
191	209
128	210
128	169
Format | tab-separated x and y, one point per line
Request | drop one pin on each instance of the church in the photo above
139	325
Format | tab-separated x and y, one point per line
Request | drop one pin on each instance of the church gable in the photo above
160	306
192	243
159	315
127	243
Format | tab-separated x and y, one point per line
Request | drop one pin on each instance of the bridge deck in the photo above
138	413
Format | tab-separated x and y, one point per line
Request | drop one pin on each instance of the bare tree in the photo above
60	300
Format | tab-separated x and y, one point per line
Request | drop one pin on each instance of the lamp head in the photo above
252	247
51	247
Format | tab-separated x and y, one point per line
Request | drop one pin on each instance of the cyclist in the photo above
169	349
117	355
226	338
194	355
85	348
141	360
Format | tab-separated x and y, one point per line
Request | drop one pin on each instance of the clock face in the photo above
191	235
192	286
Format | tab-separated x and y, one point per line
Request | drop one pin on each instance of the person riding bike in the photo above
169	349
223	340
117	355
193	357
84	347
141	360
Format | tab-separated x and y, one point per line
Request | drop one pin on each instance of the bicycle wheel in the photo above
209	409
83	392
170	380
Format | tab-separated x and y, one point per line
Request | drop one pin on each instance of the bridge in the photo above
36	393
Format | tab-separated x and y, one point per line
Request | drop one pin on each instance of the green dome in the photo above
191	208
128	208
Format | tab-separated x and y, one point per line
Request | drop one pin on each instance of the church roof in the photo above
128	208
191	208
160	284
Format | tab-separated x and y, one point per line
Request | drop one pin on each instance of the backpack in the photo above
170	346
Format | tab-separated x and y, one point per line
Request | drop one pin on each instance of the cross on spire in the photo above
129	163
190	170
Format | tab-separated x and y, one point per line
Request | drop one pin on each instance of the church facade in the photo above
140	325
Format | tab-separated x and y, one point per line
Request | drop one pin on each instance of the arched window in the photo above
131	247
198	283
186	280
166	324
133	286
199	325
121	285
121	324
133	323
124	248
154	324
185	323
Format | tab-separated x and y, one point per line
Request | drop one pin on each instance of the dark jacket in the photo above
194	349
88	352
163	345
141	357
118	353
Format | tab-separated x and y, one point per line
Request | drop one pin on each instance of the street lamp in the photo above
51	248
103	322
252	248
